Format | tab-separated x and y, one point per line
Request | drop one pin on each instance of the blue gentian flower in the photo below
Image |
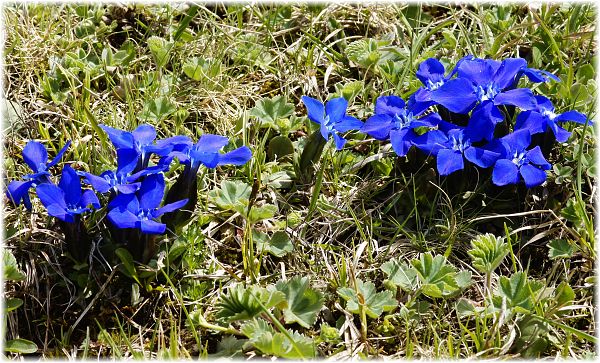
431	73
207	152
451	144
142	141
35	156
544	117
480	80
67	200
332	118
395	120
141	210
516	162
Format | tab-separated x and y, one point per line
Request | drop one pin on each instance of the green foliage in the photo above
518	292
560	248
278	245
11	268
160	49
157	110
264	338
400	274
202	70
366	296
270	111
231	194
20	345
438	278
487	252
241	303
304	302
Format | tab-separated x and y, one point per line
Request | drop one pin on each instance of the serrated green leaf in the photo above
231	194
200	69
304	302
400	274
375	302
518	291
560	248
437	277
229	347
159	48
157	110
257	213
487	252
264	338
11	268
243	303
278	245
268	111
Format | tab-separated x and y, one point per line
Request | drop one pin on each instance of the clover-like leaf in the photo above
304	302
278	245
487	252
268	111
518	291
264	338
437	277
400	274
243	303
366	294
231	194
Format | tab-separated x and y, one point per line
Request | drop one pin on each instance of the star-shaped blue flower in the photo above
332	118
67	200
395	120
516	162
35	156
544	117
141	209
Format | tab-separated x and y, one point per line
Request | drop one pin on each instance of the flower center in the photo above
403	120
519	158
432	86
459	143
485	93
145	214
547	113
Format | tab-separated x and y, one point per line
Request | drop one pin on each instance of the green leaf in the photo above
257	213
200	69
517	290
160	49
564	294
158	109
487	252
278	245
13	303
268	111
280	147
400	274
375	303
349	90
11	269
128	264
241	303
560	248
231	194
304	302
269	342
22	346
438	278
229	347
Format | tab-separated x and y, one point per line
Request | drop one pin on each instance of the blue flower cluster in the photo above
486	92
135	190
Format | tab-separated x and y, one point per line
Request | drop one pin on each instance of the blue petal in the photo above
532	175
560	134
59	155
59	212
401	141
419	106
483	121
152	191
71	185
170	208
239	156
128	188
51	194
35	154
390	105
211	143
506	74
123	202
18	190
520	97
533	121
89	198
430	70
481	157
208	159
122	218
127	160
422	95
543	104
537	75
518	140
336	109
478	71
468	57
100	184
505	172
177	143
431	142
348	123
535	156
119	138
144	134
449	161
573	116
446	126
314	109
429	120
339	141
152	227
457	95
378	126
324	131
